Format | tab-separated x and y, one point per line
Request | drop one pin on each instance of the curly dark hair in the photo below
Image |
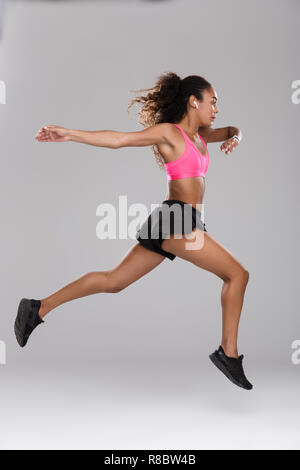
167	101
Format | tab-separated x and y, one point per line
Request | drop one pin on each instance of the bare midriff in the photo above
189	190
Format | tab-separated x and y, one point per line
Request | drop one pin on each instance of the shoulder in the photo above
157	134
167	132
166	128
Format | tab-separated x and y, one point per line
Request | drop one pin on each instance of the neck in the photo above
189	125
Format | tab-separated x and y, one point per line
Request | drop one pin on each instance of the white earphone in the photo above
196	104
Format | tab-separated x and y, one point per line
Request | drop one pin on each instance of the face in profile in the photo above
208	108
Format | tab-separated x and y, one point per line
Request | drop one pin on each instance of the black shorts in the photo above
162	221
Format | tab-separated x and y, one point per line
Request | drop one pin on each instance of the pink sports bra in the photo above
190	163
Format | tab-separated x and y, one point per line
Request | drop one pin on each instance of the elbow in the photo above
115	145
117	141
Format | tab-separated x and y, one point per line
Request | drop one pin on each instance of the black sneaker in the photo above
27	319
232	367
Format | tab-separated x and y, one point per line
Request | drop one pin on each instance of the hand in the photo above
229	145
53	134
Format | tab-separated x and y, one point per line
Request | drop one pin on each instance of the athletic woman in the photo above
177	115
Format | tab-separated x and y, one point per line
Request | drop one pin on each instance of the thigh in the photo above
207	253
137	262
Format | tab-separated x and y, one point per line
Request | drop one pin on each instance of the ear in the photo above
191	101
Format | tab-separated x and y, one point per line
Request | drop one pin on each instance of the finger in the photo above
41	136
42	131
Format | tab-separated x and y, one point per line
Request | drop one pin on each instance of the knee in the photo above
244	276
240	276
103	281
114	284
115	289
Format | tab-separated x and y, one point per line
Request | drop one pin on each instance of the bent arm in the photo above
220	134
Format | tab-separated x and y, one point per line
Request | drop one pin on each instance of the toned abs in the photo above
189	190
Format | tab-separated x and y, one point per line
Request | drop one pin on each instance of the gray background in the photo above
131	370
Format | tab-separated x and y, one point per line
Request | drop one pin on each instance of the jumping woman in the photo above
177	115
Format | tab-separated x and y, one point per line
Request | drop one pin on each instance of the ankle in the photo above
230	350
44	308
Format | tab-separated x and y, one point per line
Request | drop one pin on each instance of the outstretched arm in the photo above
157	134
230	136
62	134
